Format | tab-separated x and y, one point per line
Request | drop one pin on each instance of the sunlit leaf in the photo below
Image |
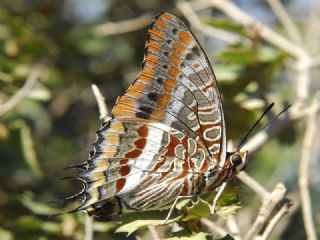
5	235
229	210
227	73
103	226
267	54
28	200
243	55
40	92
32	223
194	209
134	221
29	152
227	25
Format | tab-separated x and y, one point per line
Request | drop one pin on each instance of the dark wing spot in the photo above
174	31
182	64
166	53
153	96
142	115
196	51
160	80
189	56
145	109
169	41
165	66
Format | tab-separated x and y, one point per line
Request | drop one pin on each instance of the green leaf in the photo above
196	209
134	221
227	25
28	201
227	73
268	54
5	235
32	223
238	55
225	211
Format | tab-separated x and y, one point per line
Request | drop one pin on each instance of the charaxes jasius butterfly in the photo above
167	136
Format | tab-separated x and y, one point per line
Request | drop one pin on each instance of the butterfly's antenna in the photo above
254	126
274	118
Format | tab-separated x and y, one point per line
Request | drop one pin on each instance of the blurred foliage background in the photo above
54	124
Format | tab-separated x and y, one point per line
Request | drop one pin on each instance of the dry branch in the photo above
104	114
103	110
306	155
194	20
269	209
285	20
88	228
35	75
214	228
113	28
253	184
296	112
266	33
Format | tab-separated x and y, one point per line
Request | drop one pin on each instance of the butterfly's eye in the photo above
236	160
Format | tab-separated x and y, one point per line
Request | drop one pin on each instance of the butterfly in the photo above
166	138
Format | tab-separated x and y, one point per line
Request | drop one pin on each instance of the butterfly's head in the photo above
238	161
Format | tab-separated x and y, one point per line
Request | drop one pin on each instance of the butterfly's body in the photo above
167	135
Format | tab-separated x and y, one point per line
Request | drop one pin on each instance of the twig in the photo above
233	227
103	110
254	185
104	113
285	20
234	12
315	62
112	28
153	232
268	208
187	10
36	73
303	78
274	221
88	229
213	228
309	138
312	32
297	111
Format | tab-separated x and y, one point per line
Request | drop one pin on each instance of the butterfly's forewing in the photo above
166	130
176	86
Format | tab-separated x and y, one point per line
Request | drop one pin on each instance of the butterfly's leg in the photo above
173	206
223	186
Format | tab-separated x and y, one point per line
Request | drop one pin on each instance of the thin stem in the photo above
113	28
33	78
104	113
234	12
253	184
285	20
88	230
213	228
188	11
306	155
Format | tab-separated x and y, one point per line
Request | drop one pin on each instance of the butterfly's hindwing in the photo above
132	157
